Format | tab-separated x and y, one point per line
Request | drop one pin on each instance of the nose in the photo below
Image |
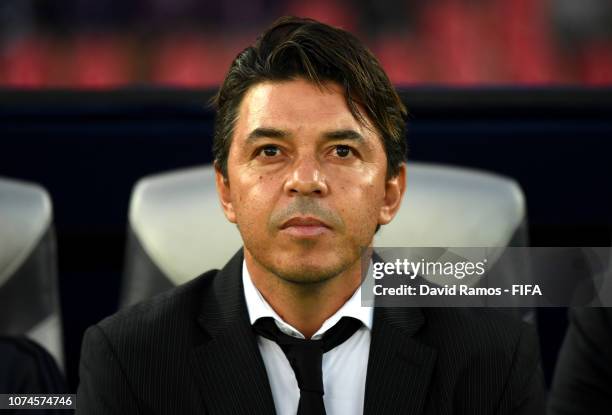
306	178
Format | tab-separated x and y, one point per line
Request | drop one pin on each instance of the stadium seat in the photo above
177	229
29	292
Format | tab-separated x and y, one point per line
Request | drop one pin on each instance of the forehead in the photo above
298	104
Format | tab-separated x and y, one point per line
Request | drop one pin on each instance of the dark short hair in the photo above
296	47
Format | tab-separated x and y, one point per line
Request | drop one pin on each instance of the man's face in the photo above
306	181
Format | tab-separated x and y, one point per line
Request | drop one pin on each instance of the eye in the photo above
343	151
269	151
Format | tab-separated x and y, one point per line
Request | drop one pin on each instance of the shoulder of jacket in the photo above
179	302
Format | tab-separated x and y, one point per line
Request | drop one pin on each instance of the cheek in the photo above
368	188
253	202
360	206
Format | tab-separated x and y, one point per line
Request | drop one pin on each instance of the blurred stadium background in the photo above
116	43
95	94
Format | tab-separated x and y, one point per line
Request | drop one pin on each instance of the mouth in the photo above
305	227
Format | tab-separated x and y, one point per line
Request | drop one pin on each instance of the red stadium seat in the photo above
597	64
452	41
401	59
100	62
24	64
191	61
527	44
327	11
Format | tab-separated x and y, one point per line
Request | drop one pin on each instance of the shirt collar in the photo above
258	307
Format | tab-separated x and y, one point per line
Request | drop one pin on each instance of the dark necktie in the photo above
305	357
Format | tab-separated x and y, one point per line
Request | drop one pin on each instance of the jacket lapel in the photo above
232	373
399	367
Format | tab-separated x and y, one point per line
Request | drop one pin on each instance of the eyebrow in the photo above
344	135
266	132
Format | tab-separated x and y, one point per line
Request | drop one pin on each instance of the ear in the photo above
225	196
394	192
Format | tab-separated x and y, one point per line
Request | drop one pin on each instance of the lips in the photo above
304	221
305	227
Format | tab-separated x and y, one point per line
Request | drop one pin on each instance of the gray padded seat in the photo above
178	230
29	295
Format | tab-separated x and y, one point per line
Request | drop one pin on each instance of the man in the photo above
310	161
583	375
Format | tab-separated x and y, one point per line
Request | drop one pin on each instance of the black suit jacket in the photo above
192	351
27	367
583	377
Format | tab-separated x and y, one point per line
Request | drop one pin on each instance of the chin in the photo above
314	270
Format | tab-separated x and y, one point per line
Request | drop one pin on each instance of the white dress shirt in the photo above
344	367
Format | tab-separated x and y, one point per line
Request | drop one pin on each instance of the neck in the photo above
304	306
